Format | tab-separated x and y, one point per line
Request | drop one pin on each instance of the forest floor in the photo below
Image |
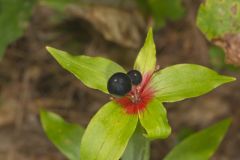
30	79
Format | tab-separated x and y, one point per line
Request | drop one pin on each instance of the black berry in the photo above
135	76
119	84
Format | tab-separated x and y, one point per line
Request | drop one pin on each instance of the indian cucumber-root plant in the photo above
135	114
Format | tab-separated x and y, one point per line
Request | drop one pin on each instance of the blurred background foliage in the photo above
219	21
163	10
149	12
14	18
20	12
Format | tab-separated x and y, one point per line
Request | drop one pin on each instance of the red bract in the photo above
138	98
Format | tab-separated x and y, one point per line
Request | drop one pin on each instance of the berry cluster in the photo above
119	84
132	90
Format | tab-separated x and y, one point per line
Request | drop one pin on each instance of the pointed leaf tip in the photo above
183	81
146	59
54	52
65	136
48	48
201	145
94	72
230	79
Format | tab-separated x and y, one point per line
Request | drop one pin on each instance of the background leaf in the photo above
65	136
146	59
183	133
14	16
216	18
138	147
163	10
220	22
183	81
216	55
108	133
59	5
201	145
154	120
94	72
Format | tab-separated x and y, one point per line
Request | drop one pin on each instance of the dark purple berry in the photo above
135	76
119	84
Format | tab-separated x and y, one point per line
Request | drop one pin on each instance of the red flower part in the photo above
138	98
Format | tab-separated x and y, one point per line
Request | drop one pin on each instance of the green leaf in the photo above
108	133
146	59
216	56
163	10
65	136
183	133
94	72
14	16
154	120
201	145
216	18
59	5
138	147
183	81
